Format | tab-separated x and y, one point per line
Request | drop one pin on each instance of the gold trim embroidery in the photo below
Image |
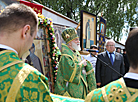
72	39
74	71
132	89
67	55
66	94
104	94
84	92
10	64
17	82
89	72
130	99
124	87
73	74
84	81
89	96
75	58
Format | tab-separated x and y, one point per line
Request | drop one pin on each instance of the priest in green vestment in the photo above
19	82
75	77
124	89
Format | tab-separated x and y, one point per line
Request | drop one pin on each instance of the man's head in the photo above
124	51
16	16
94	47
75	44
132	48
118	49
71	38
18	24
110	45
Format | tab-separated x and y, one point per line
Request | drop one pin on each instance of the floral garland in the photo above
54	50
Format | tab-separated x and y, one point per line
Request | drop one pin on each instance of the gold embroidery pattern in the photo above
122	83
74	71
34	79
115	94
134	93
17	82
10	64
104	94
89	72
29	96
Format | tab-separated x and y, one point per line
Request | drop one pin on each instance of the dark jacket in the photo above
103	73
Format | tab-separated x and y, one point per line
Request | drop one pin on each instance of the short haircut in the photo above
16	16
124	50
93	46
109	40
132	28
118	48
132	48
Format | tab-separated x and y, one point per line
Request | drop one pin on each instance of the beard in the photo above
76	46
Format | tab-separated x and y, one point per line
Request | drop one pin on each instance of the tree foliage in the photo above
116	12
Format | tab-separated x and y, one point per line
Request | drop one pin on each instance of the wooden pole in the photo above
51	74
77	26
102	14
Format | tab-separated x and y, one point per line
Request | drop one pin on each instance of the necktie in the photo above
111	58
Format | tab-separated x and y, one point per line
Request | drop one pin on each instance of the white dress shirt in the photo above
131	75
8	48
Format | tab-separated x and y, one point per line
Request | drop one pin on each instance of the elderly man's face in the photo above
110	47
76	41
76	44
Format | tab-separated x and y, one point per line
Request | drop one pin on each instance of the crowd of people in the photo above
97	77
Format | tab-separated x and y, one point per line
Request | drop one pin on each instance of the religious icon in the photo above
88	31
34	56
102	28
88	34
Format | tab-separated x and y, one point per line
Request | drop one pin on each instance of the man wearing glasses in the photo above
104	74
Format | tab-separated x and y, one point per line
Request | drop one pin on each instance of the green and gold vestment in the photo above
71	81
115	91
19	82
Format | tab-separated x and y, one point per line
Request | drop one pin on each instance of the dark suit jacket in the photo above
30	63
103	73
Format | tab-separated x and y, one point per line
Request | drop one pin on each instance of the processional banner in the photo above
37	8
102	31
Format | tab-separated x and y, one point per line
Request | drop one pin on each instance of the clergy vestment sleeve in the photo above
70	69
90	76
